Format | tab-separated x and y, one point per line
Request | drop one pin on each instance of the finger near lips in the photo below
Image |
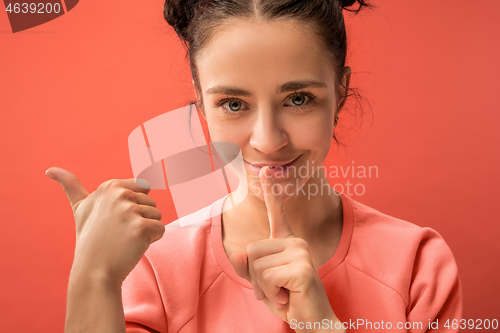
269	251
278	221
279	230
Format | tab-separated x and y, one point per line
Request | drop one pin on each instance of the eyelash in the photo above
310	95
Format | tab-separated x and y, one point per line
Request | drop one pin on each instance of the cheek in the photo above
225	131
314	133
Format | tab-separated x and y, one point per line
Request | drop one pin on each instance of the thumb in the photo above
239	260
70	184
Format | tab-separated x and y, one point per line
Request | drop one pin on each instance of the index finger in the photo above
278	221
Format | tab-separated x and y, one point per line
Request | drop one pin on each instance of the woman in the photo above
269	76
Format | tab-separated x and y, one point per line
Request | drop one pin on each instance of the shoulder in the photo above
387	234
370	219
397	252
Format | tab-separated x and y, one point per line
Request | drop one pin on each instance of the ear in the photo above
344	89
197	101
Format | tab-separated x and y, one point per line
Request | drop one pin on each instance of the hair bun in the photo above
343	4
179	13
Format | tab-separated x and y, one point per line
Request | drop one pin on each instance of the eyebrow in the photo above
286	87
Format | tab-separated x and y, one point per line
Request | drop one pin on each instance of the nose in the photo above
268	134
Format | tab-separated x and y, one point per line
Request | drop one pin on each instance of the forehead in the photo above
244	52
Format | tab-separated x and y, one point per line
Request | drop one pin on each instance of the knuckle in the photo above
108	186
124	193
251	248
305	268
267	276
110	183
140	227
132	208
115	183
299	242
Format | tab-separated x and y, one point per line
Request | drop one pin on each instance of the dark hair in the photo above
195	22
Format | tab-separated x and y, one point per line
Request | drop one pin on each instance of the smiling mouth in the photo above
273	167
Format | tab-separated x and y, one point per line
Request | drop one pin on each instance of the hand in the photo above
281	269
115	225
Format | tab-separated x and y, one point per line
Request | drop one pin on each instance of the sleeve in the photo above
435	294
142	302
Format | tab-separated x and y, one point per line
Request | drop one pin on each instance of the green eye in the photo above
235	104
298	97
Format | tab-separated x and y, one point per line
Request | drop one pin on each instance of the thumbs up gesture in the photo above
115	225
281	269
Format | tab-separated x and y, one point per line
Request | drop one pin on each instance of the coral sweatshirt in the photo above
385	274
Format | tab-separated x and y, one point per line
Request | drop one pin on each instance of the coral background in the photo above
72	90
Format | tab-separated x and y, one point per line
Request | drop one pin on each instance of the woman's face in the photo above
270	89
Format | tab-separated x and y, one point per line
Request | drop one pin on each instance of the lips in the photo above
277	169
274	164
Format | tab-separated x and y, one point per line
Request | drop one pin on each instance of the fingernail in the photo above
47	173
255	294
143	183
